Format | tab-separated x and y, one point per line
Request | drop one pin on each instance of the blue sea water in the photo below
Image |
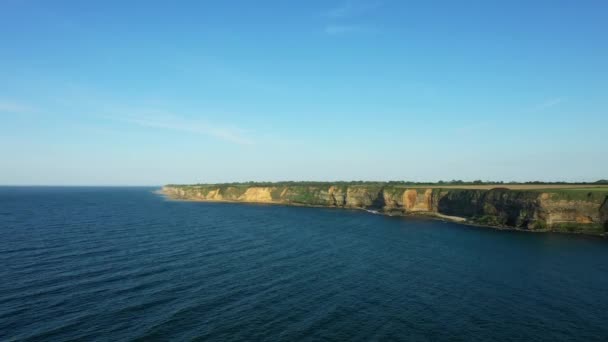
112	264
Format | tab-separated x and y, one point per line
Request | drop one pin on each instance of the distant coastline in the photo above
568	208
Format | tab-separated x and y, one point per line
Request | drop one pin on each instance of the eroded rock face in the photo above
604	214
414	201
525	209
466	203
336	197
361	197
214	195
556	211
256	194
511	208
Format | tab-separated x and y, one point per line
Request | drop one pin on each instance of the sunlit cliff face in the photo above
524	209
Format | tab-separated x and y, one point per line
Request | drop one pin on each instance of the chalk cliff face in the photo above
578	211
255	194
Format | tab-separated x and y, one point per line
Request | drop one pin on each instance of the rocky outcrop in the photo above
567	211
364	197
255	194
336	197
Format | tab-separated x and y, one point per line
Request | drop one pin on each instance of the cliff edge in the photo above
583	210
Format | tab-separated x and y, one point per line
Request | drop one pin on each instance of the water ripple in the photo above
125	264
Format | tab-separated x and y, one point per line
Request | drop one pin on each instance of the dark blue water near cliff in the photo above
125	264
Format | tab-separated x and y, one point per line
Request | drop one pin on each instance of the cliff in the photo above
564	210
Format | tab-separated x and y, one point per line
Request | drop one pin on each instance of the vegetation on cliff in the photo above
541	207
600	183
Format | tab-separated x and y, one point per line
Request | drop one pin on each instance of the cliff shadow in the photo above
604	214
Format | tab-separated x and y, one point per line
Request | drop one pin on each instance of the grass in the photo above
412	185
303	192
593	195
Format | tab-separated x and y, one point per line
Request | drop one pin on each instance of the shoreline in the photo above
422	214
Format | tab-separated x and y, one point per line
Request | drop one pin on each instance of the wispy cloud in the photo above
546	105
337	17
13	107
179	123
335	30
349	9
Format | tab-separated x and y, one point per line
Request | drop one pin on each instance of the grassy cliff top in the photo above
597	186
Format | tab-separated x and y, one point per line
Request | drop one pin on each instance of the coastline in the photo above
420	214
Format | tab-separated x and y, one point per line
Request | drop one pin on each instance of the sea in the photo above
126	264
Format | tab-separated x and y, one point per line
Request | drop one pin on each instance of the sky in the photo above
157	92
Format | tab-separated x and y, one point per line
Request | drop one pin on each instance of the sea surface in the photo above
119	264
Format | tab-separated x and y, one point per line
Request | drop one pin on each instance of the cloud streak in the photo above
338	18
178	123
349	9
546	105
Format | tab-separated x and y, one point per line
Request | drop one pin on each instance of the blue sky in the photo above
154	92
